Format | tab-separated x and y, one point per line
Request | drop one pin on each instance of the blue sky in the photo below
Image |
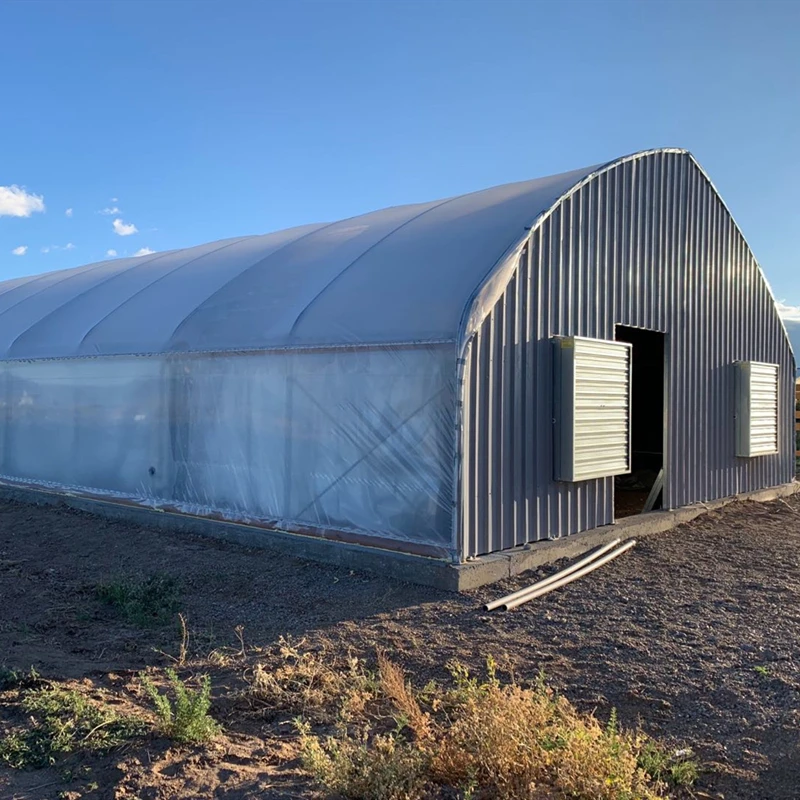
201	120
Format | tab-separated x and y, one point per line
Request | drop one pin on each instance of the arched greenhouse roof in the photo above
403	274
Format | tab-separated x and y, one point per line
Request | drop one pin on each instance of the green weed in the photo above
185	718
678	768
761	671
151	601
15	678
63	721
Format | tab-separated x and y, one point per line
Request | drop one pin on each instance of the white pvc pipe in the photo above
534	593
552	578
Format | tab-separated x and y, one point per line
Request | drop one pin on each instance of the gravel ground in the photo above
694	633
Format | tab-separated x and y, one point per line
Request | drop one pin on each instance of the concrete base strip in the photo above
497	566
400	566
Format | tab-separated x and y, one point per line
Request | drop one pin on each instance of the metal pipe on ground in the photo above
552	578
534	593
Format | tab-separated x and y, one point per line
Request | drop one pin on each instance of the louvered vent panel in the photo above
593	426
757	409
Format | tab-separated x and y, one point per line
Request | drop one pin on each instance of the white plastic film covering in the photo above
593	408
403	274
356	440
756	409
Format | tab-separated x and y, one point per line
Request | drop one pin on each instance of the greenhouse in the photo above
446	379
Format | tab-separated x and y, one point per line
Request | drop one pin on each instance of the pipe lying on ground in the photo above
534	593
552	578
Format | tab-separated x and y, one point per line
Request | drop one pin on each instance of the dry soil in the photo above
694	634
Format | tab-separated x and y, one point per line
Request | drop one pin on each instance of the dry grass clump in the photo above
407	711
512	742
381	768
480	739
316	685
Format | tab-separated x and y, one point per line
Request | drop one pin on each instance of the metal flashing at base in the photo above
435	572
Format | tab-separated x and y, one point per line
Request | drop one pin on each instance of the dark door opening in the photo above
632	493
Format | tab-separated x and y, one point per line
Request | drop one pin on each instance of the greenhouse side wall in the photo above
357	440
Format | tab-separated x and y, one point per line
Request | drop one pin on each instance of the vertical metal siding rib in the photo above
646	243
506	403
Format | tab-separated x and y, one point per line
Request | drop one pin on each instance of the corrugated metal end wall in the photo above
647	243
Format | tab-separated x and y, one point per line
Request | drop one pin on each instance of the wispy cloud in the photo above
144	251
115	199
791	313
123	228
16	202
68	212
110	211
49	247
21	250
111	253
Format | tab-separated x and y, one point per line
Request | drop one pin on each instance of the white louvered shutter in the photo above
593	409
756	409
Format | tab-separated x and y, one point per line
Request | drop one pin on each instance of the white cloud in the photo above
16	202
109	211
21	250
111	253
144	251
115	199
124	229
68	212
49	247
791	313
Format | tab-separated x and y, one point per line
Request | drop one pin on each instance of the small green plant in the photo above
9	678
151	601
683	772
186	718
678	768
15	678
761	671
62	721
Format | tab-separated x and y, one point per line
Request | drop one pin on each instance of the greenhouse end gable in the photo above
388	380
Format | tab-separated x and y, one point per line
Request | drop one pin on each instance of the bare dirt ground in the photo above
695	634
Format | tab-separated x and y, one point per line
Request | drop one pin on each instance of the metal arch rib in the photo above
138	263
66	274
153	282
19	283
66	278
322	226
356	260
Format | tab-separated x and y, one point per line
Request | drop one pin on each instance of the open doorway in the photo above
642	490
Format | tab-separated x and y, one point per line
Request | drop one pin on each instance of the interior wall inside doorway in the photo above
647	420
